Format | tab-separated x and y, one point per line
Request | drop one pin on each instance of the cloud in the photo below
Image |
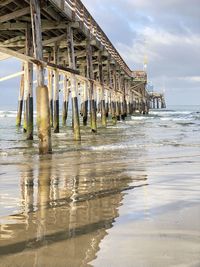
167	32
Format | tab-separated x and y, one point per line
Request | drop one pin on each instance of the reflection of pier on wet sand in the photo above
64	214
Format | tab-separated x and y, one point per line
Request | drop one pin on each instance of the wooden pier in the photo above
69	53
157	100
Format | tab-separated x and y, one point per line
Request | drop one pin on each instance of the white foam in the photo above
164	113
139	118
165	119
111	147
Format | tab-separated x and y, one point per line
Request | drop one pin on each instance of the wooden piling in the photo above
102	96
113	108
20	100
103	108
50	90
92	99
85	104
43	120
56	92
28	100
157	100
107	103
28	79
118	107
65	99
122	105
154	103
71	60
114	96
43	114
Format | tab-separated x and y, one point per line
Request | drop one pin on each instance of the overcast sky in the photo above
167	32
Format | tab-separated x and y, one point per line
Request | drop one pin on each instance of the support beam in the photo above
15	14
41	64
46	25
5	2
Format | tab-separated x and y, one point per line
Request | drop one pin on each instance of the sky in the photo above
166	32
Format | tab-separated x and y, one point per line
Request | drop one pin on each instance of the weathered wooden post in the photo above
123	104
108	92
130	98
65	99
43	118
56	92
50	90
113	107
128	102
157	99
28	84
85	103
20	100
90	75
118	106
107	103
113	100
116	88
102	97
72	65
162	102
154	103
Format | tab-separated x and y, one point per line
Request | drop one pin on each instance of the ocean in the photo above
126	196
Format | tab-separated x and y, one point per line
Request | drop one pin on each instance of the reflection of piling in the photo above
44	179
27	188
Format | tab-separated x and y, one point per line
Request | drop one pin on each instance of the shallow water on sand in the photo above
128	196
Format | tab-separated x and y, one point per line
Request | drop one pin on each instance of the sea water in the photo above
126	196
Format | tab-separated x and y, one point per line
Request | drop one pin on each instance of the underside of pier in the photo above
70	53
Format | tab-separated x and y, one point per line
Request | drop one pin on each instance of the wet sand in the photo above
128	196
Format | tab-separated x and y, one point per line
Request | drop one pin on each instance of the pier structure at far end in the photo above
157	100
61	46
